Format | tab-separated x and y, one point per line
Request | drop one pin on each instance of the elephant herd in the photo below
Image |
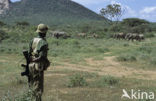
129	36
64	35
84	35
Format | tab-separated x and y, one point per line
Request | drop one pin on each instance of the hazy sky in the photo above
145	9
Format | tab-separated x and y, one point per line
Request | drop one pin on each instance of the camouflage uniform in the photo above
38	53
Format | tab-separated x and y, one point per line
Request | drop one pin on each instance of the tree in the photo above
133	22
112	12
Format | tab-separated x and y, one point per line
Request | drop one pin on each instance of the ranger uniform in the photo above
39	62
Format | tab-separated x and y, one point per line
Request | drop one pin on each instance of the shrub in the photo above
124	58
132	22
145	49
106	81
149	35
153	61
115	28
25	96
23	23
6	97
125	44
140	28
2	23
102	50
85	28
77	80
3	35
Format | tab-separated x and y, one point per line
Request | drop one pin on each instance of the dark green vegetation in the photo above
51	12
133	25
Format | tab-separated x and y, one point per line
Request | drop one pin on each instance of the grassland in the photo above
81	69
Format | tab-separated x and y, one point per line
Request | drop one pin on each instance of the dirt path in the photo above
109	66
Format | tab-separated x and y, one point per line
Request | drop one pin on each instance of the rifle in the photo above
27	58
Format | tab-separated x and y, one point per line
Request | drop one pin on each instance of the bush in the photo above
3	35
149	35
132	22
77	80
153	61
115	28
145	49
102	50
124	58
23	23
85	28
26	96
106	81
140	28
2	23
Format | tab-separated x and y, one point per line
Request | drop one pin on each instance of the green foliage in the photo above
7	97
3	35
146	49
132	25
23	23
132	22
149	35
153	60
153	26
18	81
115	28
85	28
102	50
125	58
25	96
112	11
140	29
77	80
106	80
2	23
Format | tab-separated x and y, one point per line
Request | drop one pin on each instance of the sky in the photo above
144	9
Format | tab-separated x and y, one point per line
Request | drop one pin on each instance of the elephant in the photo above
120	36
58	35
82	35
141	37
135	36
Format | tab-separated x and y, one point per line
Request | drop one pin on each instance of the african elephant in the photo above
120	36
82	35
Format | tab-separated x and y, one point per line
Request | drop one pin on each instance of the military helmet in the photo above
42	28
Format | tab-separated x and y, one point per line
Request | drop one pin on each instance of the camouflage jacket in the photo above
38	47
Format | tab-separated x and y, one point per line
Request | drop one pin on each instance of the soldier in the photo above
39	62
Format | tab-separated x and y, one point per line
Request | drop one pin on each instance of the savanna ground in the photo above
83	69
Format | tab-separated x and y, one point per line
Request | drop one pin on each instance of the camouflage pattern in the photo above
36	81
38	48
